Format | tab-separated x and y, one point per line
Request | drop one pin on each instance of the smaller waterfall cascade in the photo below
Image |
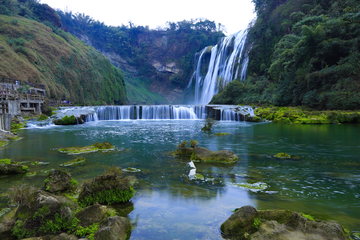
224	66
163	112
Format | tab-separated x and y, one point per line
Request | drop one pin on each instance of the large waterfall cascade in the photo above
224	66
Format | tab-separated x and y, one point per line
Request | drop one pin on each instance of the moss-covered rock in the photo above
59	181
249	223
107	188
221	134
202	154
79	160
91	214
114	228
42	117
240	223
66	120
7	166
282	155
105	146
183	151
252	118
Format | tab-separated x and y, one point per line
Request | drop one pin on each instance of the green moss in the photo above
87	231
3	143
76	161
5	161
256	223
221	134
25	168
74	182
282	155
42	117
108	197
87	149
307	216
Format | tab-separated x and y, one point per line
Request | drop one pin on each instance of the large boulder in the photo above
58	181
108	188
64	236
41	208
249	223
92	214
113	228
5	231
240	223
205	155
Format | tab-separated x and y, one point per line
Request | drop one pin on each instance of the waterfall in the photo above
167	112
221	69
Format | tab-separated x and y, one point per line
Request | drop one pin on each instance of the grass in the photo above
307	216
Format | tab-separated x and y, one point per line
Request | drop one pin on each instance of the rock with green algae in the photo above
36	163
66	120
282	155
91	214
202	154
7	166
249	223
105	146
113	228
183	151
221	134
76	161
108	188
252	118
59	181
132	170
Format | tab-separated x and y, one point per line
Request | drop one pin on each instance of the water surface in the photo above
323	181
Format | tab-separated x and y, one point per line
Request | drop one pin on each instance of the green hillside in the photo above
41	53
304	53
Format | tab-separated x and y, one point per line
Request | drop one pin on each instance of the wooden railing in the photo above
13	95
19	82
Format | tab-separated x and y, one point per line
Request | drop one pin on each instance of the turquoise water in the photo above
323	181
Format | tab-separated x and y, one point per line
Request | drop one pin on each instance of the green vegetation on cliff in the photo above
42	53
304	53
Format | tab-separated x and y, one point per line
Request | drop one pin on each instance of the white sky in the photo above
234	14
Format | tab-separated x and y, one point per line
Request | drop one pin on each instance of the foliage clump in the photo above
193	143
183	144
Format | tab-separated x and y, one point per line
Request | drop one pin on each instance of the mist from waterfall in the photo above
224	66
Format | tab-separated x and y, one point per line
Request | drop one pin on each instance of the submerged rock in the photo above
249	223
282	155
205	155
105	146
132	170
76	161
221	134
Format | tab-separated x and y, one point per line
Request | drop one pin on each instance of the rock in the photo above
57	181
240	222
107	188
279	224
65	236
7	166
92	214
113	228
184	151
76	161
132	170
221	134
105	146
252	118
205	155
5	231
66	120
40	208
282	155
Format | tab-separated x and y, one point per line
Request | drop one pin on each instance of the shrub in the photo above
193	143
14	22
182	144
21	194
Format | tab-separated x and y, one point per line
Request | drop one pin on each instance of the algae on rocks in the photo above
7	166
105	146
108	188
249	223
59	181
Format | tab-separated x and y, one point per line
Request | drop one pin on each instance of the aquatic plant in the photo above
88	231
256	223
308	216
76	161
182	144
282	155
193	143
5	161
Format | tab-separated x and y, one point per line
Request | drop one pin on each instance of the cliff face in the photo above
69	69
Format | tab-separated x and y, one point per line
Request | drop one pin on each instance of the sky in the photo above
234	14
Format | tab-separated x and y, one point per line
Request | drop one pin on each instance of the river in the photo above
323	182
